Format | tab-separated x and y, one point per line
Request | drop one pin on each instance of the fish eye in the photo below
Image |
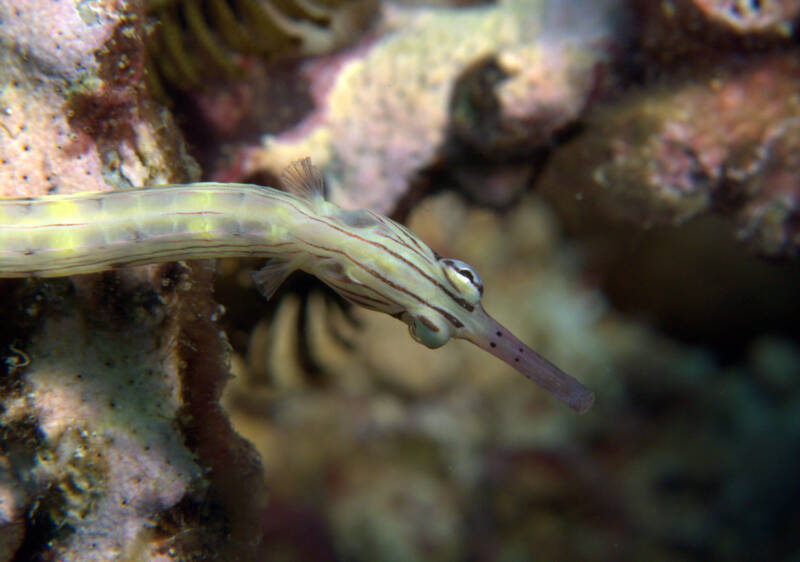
427	332
464	278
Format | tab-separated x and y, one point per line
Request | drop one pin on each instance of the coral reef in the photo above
100	404
624	268
113	444
76	120
501	79
194	41
671	31
774	16
61	38
112	439
718	143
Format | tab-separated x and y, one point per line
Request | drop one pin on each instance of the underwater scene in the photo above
399	280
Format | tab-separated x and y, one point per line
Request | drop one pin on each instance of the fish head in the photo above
458	313
461	290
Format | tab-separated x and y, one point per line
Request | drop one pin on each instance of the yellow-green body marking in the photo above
367	258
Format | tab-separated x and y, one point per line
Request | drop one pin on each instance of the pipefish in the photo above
367	258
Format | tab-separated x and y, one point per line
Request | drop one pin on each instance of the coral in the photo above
723	142
81	124
385	109
61	38
671	31
113	443
104	403
191	40
773	16
420	519
112	440
117	427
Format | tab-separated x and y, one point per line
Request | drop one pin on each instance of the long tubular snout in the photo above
490	335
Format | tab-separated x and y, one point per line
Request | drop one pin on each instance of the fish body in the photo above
89	232
367	258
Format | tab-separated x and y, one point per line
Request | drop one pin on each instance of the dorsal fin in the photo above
303	179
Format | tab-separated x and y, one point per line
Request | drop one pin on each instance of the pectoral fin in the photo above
272	275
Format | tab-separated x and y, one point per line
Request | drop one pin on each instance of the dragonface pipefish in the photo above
369	259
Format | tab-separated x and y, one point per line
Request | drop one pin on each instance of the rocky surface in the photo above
113	445
718	142
502	80
669	32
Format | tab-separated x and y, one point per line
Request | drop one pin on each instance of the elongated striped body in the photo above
85	233
367	258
